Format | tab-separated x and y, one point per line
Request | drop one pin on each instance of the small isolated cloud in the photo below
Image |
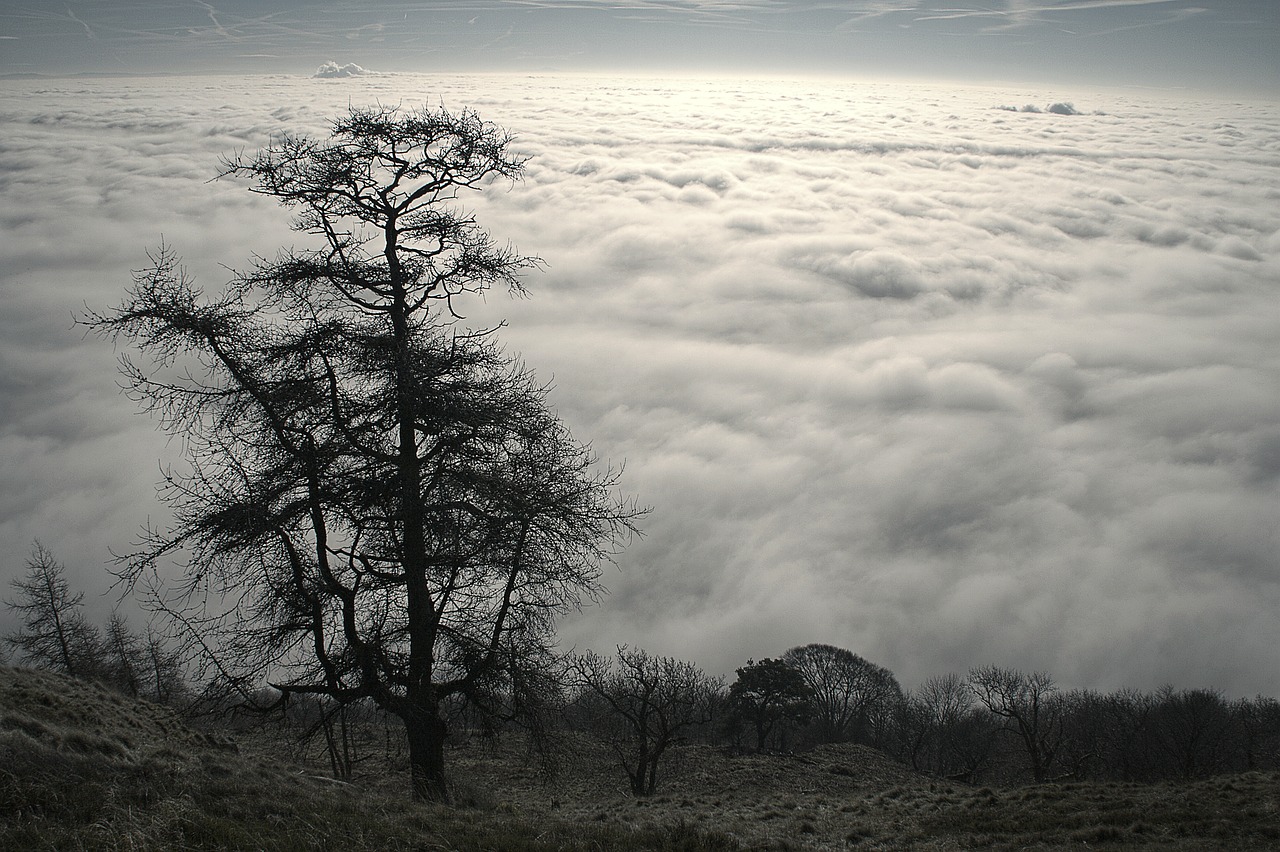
331	70
1058	108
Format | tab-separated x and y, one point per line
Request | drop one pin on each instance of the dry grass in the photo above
850	797
82	768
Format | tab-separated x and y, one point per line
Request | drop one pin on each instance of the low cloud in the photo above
1056	108
936	383
330	70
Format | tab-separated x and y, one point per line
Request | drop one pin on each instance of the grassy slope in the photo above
83	768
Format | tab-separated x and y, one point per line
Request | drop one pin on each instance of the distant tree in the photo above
1087	727
377	504
141	666
162	674
1025	702
1192	727
123	657
646	705
768	696
1130	753
1257	725
852	699
945	734
55	634
312	719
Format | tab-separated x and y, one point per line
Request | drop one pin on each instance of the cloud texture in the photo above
332	69
898	369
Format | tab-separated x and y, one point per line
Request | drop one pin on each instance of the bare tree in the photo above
1130	747
141	665
852	699
648	703
1087	726
123	653
1026	704
376	504
769	696
1258	731
944	732
1191	728
55	634
162	673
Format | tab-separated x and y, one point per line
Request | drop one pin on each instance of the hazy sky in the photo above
1205	44
933	374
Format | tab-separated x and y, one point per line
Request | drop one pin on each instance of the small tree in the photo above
376	503
141	665
1257	722
943	732
768	696
1192	728
54	633
1086	734
1027	706
161	670
123	657
648	704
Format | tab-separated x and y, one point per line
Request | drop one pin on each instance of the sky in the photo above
1203	44
945	374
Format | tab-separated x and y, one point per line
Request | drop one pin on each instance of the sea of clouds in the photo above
914	370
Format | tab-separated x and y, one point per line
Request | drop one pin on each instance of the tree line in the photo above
993	725
56	635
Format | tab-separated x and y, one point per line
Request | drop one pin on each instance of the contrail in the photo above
213	16
72	16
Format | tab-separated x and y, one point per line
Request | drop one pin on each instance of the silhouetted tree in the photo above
944	733
1086	734
163	675
1192	727
1257	726
1026	704
376	504
768	696
55	634
1129	751
141	666
647	704
851	698
123	657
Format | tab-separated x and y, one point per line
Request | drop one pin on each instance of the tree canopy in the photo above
768	695
644	706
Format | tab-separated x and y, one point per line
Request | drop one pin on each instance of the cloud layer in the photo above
898	369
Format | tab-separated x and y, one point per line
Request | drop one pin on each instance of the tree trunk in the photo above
762	733
639	778
426	736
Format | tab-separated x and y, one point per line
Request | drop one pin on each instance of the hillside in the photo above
84	768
